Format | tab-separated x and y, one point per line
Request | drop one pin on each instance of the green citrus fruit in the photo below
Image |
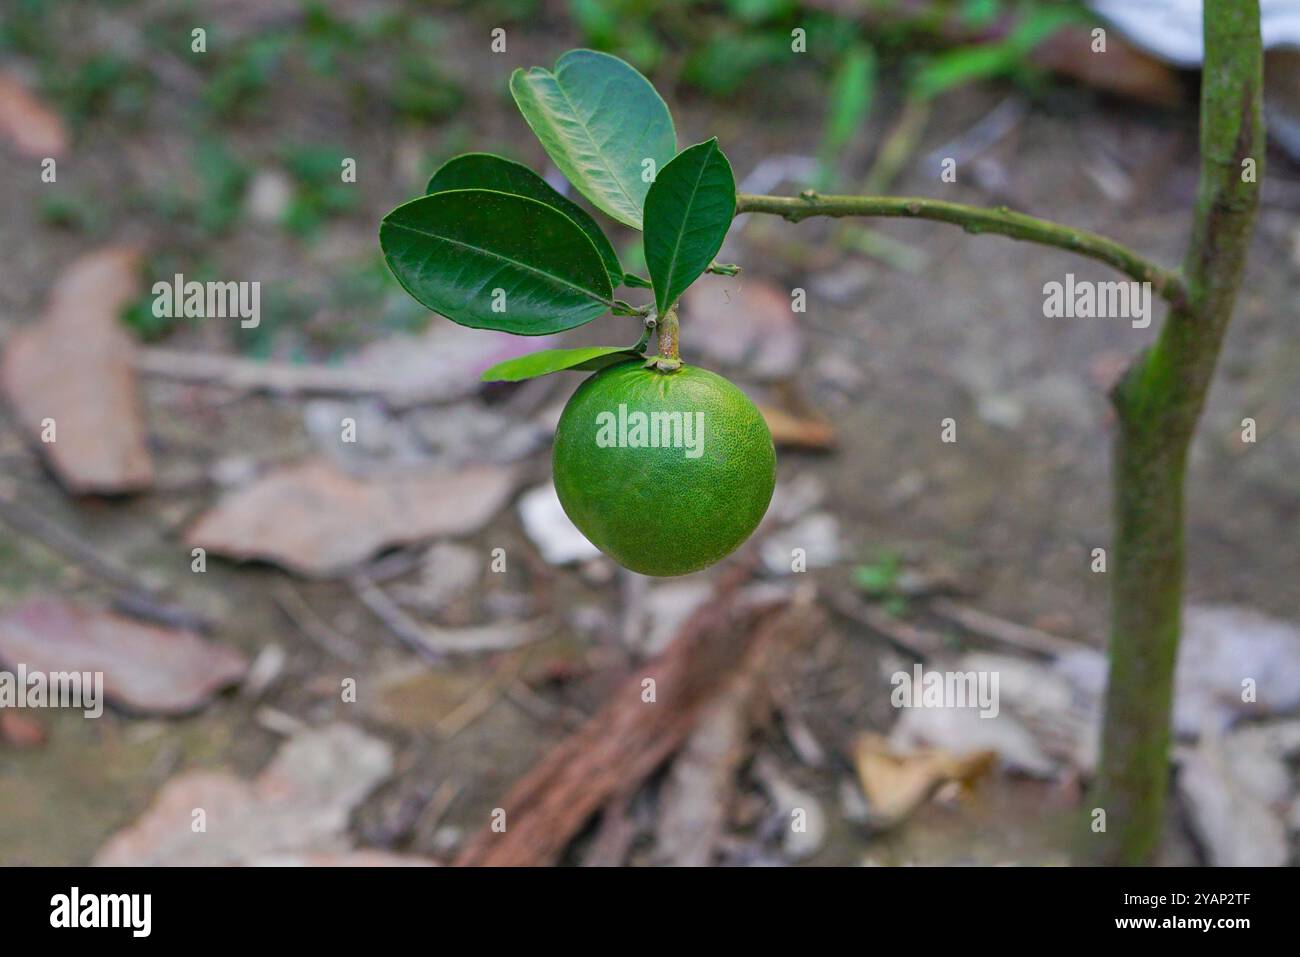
666	473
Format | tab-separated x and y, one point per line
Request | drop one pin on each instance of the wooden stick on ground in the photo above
253	375
629	737
998	629
133	595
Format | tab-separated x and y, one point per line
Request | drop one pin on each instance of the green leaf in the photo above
486	171
493	260
852	89
599	121
557	360
633	281
963	65
687	214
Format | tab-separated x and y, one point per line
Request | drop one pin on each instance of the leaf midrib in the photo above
605	163
681	230
590	294
592	140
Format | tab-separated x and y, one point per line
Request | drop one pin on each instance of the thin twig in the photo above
135	597
58	539
973	219
998	629
434	644
277	378
918	641
313	625
480	700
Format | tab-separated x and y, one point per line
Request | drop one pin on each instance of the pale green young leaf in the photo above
602	124
547	361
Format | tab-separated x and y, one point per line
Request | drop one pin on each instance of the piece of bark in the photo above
71	377
697	793
628	738
614	837
699	789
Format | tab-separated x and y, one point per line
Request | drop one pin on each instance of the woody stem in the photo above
669	332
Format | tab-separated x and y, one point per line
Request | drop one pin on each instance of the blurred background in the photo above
337	606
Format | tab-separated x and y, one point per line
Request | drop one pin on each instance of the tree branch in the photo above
974	219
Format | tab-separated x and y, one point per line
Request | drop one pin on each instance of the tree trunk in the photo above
1158	403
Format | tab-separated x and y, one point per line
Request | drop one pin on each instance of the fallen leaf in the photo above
798	432
21	732
745	322
1237	789
297	808
34	129
1124	70
316	520
896	784
73	372
147	668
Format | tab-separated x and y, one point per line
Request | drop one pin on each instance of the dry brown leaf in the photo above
314	519
297	807
74	369
147	668
20	731
798	432
743	321
896	784
1124	70
34	129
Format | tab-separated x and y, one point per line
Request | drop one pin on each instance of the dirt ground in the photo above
1012	509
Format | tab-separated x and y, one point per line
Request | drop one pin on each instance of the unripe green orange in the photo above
666	473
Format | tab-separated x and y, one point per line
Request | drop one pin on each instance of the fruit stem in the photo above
668	359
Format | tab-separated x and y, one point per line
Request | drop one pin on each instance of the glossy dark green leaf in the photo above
602	124
687	214
633	281
487	171
496	261
558	360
